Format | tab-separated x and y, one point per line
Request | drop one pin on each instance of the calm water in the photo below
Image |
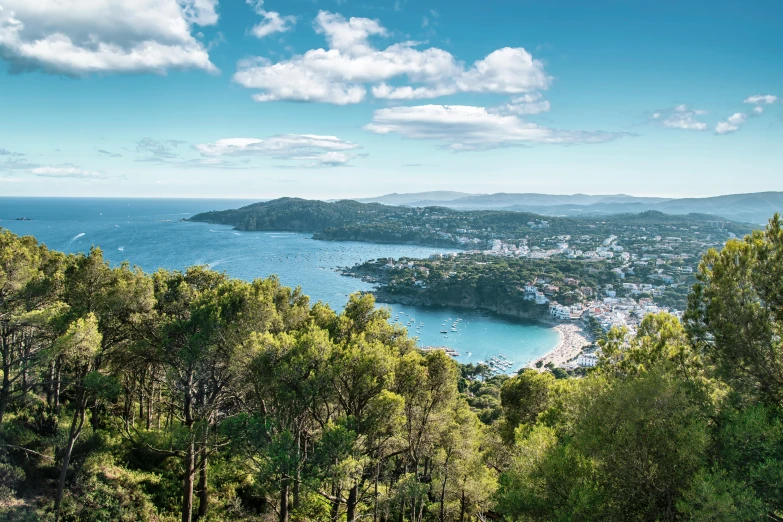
149	233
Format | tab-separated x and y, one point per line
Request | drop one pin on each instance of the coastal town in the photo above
595	273
583	285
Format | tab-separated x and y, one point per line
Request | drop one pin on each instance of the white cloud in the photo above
761	98
527	104
273	21
200	12
681	117
79	37
349	36
66	172
725	127
320	150
737	118
473	128
758	110
342	73
731	124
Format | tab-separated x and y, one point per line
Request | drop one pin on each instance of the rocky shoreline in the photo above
539	314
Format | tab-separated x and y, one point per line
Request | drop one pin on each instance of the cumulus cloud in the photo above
66	172
79	37
320	151
273	22
527	104
6	152
681	117
759	99
731	124
343	73
464	128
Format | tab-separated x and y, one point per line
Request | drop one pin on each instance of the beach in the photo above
572	340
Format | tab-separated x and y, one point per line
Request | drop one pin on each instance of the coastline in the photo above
573	339
573	336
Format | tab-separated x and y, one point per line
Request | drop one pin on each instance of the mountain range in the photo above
755	207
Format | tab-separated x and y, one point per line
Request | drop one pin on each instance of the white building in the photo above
587	360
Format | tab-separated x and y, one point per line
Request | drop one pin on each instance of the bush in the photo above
107	492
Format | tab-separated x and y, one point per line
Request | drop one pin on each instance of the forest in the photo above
188	395
484	282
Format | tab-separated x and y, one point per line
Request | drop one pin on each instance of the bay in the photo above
150	233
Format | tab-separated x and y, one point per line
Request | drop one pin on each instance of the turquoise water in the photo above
149	233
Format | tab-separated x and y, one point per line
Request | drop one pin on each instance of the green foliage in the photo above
183	395
104	491
715	497
736	312
523	396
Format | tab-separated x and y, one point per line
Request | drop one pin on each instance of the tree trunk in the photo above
25	367
149	407
49	383
190	457
353	495
462	507
76	428
443	488
187	485
56	391
284	485
5	391
335	511
298	471
375	493
95	407
203	492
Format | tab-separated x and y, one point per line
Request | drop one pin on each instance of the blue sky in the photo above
348	98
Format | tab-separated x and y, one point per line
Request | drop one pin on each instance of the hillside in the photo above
753	208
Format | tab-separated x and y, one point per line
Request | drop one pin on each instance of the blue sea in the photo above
150	233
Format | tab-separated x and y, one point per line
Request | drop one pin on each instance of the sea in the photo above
151	234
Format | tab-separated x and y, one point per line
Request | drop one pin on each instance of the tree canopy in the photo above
193	396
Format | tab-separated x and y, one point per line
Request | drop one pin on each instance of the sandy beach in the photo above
572	340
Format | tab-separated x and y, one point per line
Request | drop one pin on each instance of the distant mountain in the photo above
752	208
500	200
412	199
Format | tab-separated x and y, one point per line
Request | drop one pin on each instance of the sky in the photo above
356	98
